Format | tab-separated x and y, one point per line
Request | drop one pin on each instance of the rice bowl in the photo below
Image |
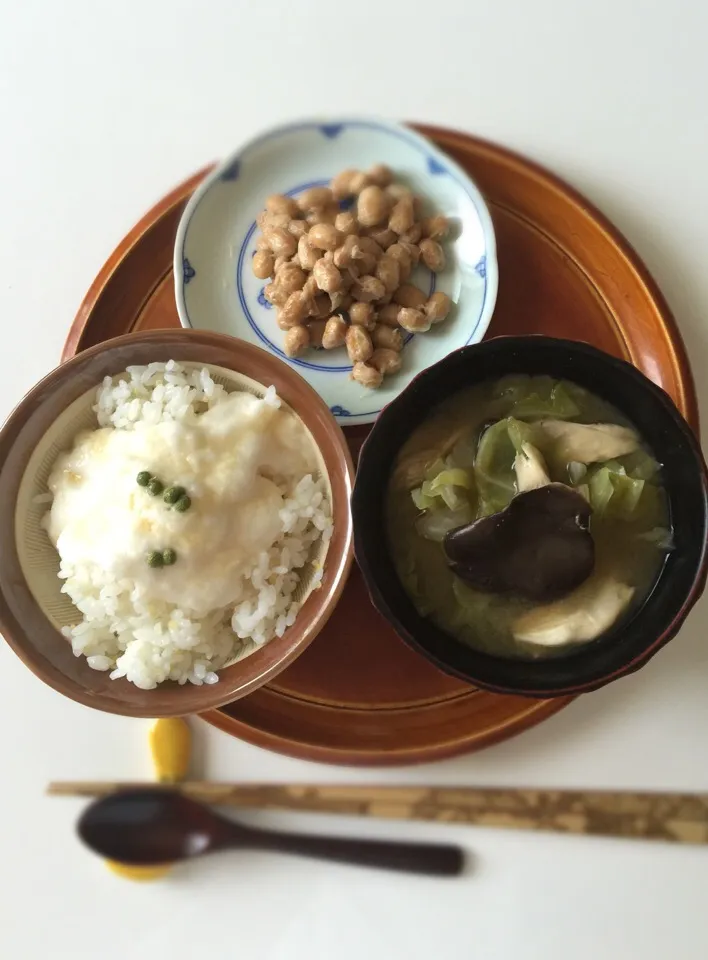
186	621
34	612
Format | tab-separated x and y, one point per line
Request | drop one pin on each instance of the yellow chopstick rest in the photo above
129	871
171	748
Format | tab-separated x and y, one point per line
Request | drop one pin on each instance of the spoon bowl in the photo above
158	825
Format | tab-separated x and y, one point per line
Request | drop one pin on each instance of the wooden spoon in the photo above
164	826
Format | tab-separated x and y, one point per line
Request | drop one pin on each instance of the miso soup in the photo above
478	455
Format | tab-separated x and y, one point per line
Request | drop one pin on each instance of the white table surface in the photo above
103	107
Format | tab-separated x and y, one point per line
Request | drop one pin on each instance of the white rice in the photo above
148	641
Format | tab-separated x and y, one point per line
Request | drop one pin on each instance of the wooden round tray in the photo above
358	695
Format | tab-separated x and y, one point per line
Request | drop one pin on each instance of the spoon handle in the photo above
433	859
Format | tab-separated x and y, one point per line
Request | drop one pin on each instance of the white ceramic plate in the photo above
215	287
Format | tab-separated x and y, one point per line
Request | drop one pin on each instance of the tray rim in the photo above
178	194
538	710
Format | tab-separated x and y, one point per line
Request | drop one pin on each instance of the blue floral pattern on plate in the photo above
188	271
339	411
232	171
435	167
481	267
332	130
263	301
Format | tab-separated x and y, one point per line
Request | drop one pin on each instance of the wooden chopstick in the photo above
676	817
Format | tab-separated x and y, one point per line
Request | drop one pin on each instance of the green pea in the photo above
173	494
155	487
144	478
155	559
183	504
169	556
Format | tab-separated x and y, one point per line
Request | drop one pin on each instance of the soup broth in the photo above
461	465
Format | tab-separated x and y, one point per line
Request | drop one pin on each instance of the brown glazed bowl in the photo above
29	620
632	642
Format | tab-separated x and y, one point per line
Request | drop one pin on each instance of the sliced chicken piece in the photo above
530	468
581	616
588	442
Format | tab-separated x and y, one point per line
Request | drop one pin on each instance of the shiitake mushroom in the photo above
539	547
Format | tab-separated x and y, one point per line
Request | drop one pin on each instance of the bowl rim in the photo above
402	130
381	601
13	631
